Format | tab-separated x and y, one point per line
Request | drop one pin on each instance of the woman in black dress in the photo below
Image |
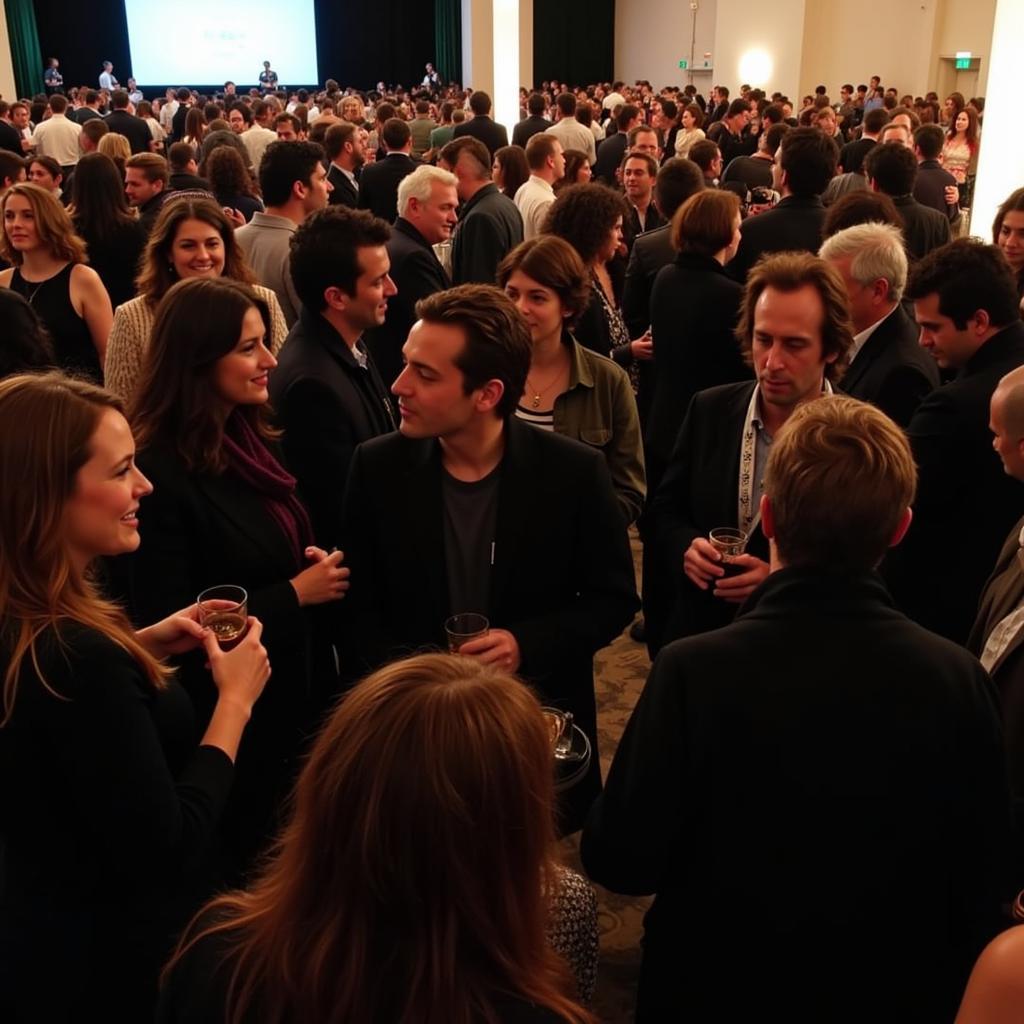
108	803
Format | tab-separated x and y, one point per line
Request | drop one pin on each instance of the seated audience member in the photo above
510	171
806	161
534	197
231	182
995	991
933	180
47	267
294	184
326	392
191	238
707	156
882	770
756	170
26	344
427	204
1008	234
490	226
965	304
887	366
109	806
570	389
346	154
45	172
102	217
184	170
223	509
439	518
419	849
892	168
378	184
791	295
145	183
861	207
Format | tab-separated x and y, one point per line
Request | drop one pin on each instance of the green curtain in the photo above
25	51
448	39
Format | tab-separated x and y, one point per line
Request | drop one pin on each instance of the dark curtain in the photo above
573	42
83	35
448	39
25	53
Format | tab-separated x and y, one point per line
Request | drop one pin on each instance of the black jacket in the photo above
379	181
527	128
610	152
490	227
491	134
133	128
344	192
796	223
651	251
930	188
924	229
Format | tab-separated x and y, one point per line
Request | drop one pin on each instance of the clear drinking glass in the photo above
224	610
462	628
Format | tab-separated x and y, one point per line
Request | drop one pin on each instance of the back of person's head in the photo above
58	103
116	146
119	99
773	114
967	276
677	180
670	109
422	107
705	223
480	103
12	166
458	115
97	196
152	165
53	225
584	114
27	344
325	251
227	173
738	106
477	158
536	104
566	103
553	263
183	95
94	130
892	167
860	206
626	116
838	446
179	155
704	153
395	133
541	148
285	163
808	159
584	215
92	97
875	251
929	139
773	137
336	138
875	120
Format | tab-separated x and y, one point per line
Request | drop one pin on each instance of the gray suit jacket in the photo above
266	242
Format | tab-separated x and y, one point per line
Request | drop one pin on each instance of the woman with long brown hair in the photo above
960	152
412	884
108	804
1008	234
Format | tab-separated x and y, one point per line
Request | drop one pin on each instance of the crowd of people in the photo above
365	361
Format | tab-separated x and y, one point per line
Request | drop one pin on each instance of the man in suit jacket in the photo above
481	125
443	518
346	152
326	390
613	149
378	183
427	201
851	156
806	160
965	302
789	781
934	183
715	474
133	128
490	226
887	365
180	115
534	124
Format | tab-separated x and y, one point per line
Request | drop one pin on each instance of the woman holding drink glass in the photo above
226	512
108	805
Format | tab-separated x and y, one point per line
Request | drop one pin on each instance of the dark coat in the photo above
795	224
651	251
379	181
133	128
965	501
562	581
816	795
930	188
344	193
417	273
924	229
610	152
527	128
892	371
851	156
491	134
490	227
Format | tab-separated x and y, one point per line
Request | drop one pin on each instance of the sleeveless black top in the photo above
72	342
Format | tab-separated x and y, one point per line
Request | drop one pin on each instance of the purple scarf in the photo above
251	461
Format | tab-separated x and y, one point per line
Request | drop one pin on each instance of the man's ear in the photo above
901	530
489	395
767	517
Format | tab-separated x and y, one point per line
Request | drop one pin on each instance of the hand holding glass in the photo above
224	611
462	628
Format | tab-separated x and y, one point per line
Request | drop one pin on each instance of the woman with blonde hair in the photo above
114	804
414	881
49	271
191	238
117	147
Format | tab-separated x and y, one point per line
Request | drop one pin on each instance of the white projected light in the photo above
228	41
756	68
506	62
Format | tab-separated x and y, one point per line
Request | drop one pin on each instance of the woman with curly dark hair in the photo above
589	217
231	182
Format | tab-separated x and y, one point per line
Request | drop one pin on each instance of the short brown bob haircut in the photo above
705	223
554	263
840	476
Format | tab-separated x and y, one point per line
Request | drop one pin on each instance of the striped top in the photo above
543	418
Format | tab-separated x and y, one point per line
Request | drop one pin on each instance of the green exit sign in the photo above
684	64
963	63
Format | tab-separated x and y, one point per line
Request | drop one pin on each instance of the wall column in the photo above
8	90
493	32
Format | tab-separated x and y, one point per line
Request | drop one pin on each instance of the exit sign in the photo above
963	60
684	64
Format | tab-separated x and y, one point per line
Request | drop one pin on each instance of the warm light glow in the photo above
756	68
506	63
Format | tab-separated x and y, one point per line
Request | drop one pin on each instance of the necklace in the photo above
535	401
31	296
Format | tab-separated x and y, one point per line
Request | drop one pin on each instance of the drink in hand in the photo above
729	542
224	611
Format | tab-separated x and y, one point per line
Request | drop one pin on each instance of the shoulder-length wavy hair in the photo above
584	215
197	323
553	263
227	173
98	203
157	273
195	126
47	422
54	229
418	850
971	134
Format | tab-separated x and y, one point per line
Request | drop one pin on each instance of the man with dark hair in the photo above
439	519
258	135
91	109
184	170
821	736
613	149
92	132
346	153
133	128
294	184
719	104
756	171
12	169
58	136
728	133
185	102
891	168
966	305
933	183
569	132
10	137
289	128
851	157
420	128
490	226
708	157
240	117
805	162
378	184
639	171
146	177
481	125
326	391
534	122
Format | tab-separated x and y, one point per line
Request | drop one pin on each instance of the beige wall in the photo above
744	25
7	89
653	36
966	26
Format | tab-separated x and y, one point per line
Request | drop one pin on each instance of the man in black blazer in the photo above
481	125
806	161
184	98
427	201
534	124
965	302
326	391
133	128
490	225
934	184
887	365
611	151
469	509
378	183
346	151
795	328
820	766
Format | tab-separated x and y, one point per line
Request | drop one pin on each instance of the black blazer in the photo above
527	128
133	128
965	501
789	782
924	229
327	404
651	251
490	227
489	132
610	152
795	224
379	181
930	188
562	580
344	192
417	273
892	371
